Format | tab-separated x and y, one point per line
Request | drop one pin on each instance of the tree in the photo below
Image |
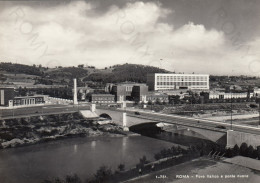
229	153
254	155
258	152
142	162
73	179
236	150
249	151
157	156
243	149
158	101
103	173
121	167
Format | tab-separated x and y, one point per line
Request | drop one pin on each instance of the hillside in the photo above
20	69
125	72
26	75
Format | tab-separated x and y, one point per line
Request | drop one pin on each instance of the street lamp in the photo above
259	112
231	111
258	101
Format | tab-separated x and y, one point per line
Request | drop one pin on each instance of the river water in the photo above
83	156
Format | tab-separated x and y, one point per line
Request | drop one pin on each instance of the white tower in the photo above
75	97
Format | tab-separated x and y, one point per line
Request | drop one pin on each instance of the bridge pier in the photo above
93	108
125	128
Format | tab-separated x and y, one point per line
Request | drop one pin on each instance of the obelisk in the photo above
75	97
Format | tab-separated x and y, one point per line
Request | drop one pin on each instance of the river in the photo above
83	156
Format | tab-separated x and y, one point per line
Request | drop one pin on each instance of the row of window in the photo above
102	98
182	83
171	79
18	101
203	78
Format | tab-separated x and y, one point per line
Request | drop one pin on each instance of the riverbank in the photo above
38	129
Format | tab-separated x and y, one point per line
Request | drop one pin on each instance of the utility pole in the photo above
231	112
259	113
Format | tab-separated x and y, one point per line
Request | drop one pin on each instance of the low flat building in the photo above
157	97
102	98
8	98
223	95
28	100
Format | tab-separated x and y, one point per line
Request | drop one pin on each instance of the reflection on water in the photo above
172	133
83	156
93	144
75	148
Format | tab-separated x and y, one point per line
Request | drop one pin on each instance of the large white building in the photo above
169	81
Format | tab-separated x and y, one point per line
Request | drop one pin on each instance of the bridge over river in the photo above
211	130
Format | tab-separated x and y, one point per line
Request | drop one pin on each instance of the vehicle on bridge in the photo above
220	126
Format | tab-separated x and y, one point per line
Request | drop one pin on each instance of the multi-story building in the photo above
123	91
102	98
170	81
139	93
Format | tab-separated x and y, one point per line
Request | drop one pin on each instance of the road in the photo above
193	122
161	117
40	110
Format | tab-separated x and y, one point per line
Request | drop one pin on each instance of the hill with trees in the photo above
20	69
125	72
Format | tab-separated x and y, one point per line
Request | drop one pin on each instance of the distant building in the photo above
6	94
102	98
223	95
83	91
108	87
168	81
139	93
123	91
157	97
234	88
28	100
257	92
7	98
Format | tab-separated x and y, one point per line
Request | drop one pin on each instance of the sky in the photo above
219	37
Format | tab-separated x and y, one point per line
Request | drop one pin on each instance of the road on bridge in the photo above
192	122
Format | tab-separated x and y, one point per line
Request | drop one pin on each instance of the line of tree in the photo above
244	150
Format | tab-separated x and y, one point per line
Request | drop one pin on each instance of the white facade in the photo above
167	81
257	92
222	95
